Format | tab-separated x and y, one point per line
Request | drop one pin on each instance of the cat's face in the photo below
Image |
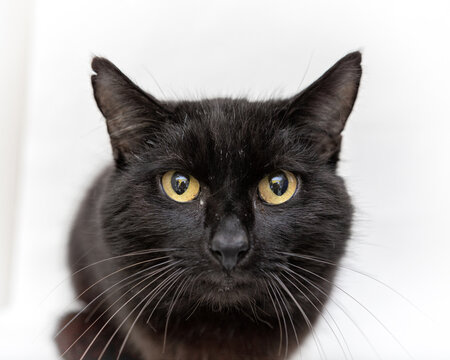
242	195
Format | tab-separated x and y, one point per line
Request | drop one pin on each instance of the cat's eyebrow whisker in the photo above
341	307
175	274
313	332
363	306
165	270
320	313
108	289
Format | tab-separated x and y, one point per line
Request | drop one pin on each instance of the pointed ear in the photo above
132	115
322	109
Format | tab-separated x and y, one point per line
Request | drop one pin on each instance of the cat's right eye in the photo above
180	186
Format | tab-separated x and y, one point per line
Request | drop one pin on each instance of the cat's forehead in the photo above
227	124
224	138
226	111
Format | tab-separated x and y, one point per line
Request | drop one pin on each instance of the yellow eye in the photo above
179	186
277	187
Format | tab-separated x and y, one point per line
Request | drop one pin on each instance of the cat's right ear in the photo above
132	115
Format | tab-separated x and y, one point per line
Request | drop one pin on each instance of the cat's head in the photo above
241	196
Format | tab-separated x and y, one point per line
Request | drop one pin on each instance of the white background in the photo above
395	157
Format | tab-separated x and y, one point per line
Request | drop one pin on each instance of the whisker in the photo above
371	277
320	313
253	310
284	302
166	280
167	268
308	322
321	290
177	294
155	292
156	305
195	307
198	302
105	291
116	272
278	317
363	306
256	309
134	253
271	285
112	316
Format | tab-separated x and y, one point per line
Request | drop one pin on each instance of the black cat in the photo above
217	231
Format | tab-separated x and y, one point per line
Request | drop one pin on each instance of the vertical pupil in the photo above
278	183
180	183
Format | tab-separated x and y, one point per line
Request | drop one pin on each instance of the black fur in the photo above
229	145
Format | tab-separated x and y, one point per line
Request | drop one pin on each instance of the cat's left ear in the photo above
322	109
132	115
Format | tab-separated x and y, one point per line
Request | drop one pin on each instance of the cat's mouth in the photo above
222	289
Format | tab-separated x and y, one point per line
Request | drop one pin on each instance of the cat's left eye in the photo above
278	187
180	186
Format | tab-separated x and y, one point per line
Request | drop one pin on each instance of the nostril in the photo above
242	254
217	254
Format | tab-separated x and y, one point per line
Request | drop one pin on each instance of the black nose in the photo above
230	242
